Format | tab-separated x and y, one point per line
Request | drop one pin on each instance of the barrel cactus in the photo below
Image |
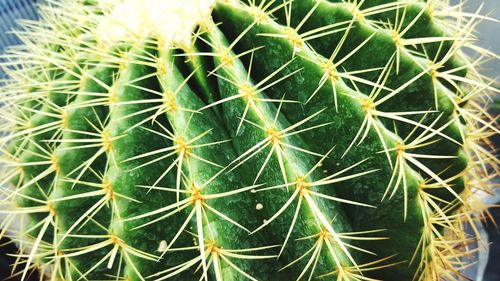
235	140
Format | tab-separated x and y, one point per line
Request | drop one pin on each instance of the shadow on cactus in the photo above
234	140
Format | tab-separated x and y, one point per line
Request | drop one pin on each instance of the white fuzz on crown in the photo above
171	21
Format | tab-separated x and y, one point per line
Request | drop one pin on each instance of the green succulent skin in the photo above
372	186
291	140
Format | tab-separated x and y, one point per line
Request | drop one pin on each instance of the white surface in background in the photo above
487	30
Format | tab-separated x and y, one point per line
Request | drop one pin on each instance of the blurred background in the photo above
488	33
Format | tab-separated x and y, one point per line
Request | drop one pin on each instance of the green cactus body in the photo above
275	140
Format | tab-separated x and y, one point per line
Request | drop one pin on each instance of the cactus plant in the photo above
234	140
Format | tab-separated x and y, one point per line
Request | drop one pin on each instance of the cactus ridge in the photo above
288	140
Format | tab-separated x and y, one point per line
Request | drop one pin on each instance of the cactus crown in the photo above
234	140
132	19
